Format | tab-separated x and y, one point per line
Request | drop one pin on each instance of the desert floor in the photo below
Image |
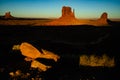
69	42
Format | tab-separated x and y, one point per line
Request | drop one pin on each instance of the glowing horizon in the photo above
52	8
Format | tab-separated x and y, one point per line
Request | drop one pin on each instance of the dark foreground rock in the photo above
67	41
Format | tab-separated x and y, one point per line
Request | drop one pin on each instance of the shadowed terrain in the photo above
69	42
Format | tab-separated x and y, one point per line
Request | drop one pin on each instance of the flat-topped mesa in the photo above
67	12
8	15
103	18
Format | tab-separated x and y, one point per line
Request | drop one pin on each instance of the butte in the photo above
68	18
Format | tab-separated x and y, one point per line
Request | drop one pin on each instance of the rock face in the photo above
103	18
8	15
67	12
31	53
67	17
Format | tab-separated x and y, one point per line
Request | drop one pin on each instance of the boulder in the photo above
31	53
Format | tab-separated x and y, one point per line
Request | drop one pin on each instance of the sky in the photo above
52	8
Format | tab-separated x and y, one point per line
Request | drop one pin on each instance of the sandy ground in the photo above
23	22
52	22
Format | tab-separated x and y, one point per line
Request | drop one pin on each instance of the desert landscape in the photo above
67	18
86	52
62	48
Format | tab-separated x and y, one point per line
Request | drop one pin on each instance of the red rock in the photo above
67	12
8	15
67	17
103	18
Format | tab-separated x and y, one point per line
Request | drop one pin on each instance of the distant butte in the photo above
68	18
67	13
103	18
8	15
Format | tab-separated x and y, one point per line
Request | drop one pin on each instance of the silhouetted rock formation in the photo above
103	19
8	15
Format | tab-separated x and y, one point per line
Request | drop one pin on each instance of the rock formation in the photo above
31	53
103	18
67	13
67	17
8	15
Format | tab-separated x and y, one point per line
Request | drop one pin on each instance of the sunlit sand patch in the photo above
95	61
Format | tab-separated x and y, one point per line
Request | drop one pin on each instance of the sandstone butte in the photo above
8	15
68	18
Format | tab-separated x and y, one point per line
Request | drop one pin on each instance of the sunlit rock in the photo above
94	61
16	47
67	13
68	18
16	73
12	74
29	51
49	55
37	64
32	53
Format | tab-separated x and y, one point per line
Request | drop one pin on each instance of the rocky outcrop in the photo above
8	15
103	18
31	53
67	13
67	17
